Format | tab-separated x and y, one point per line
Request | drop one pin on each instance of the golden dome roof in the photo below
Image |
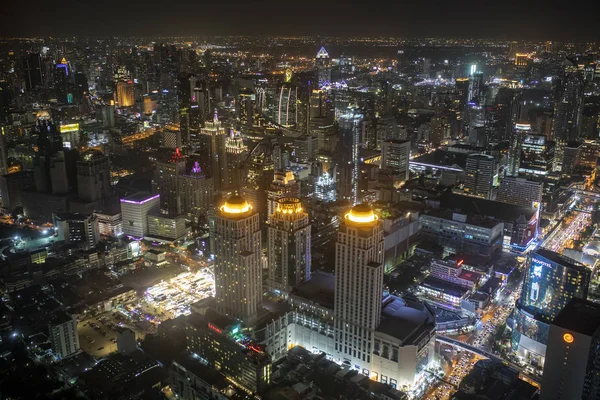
361	214
289	205
236	205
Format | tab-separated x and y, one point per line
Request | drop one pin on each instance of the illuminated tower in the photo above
568	106
351	126
323	67
237	152
284	185
237	266
289	245
125	94
213	152
358	284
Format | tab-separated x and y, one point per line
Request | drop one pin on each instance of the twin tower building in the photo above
358	269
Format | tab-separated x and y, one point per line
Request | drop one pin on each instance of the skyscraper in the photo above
515	148
520	191
572	369
537	156
166	181
568	106
63	335
213	151
323	67
125	94
284	185
237	152
237	239
135	210
93	176
550	282
481	176
289	245
395	156
358	284
348	149
195	192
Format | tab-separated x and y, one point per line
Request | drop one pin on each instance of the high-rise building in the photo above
93	176
520	191
325	189
572	368
3	160
358	284
213	152
135	209
550	282
237	152
166	227
172	139
196	192
237	240
515	147
166	182
125	94
110	222
77	228
289	245
284	185
537	156
571	157
521	59
287	105
323	67
568	106
395	156
62	331
348	149
481	176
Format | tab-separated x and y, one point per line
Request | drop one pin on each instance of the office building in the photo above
3	160
323	67
481	176
77	228
358	284
172	139
221	343
289	255
93	176
237	152
395	156
572	368
520	191
135	209
550	282
287	105
515	148
167	228
166	182
110	222
521	59
196	192
568	106
537	156
125	94
213	152
284	185
62	332
325	188
571	157
348	153
238	279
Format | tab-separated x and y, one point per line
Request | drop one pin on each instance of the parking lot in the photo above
98	337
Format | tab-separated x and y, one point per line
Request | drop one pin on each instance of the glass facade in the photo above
550	282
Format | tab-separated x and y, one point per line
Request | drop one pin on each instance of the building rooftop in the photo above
139	198
581	316
483	207
559	259
446	287
319	289
404	320
471	219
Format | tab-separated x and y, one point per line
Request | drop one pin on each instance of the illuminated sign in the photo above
69	128
215	328
568	338
235	330
460	262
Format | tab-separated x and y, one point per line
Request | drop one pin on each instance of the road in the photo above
559	239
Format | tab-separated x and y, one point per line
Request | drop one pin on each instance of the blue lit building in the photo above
550	282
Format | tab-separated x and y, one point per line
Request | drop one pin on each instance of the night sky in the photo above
509	19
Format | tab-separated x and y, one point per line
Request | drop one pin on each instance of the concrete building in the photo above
93	176
196	192
572	368
395	156
110	222
125	94
284	185
135	209
520	191
166	227
62	332
77	228
289	254
237	152
166	182
481	176
213	152
238	278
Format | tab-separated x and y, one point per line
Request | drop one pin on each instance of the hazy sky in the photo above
484	18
